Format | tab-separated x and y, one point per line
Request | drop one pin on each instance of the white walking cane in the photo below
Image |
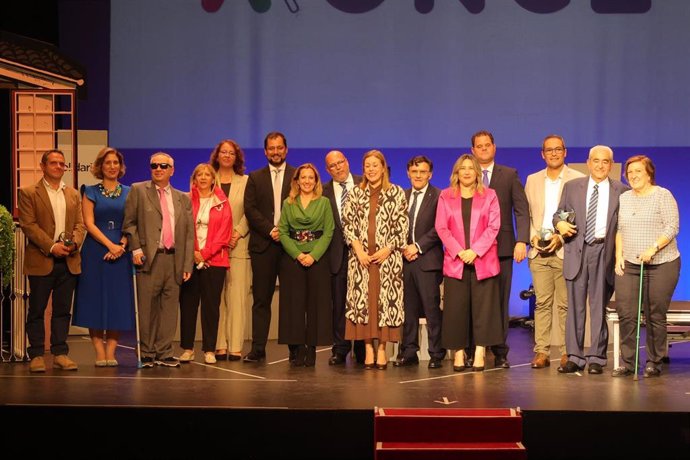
639	315
136	315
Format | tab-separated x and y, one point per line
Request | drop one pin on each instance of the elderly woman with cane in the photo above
647	264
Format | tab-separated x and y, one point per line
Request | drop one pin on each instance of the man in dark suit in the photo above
513	203
588	261
263	198
159	225
50	217
336	191
422	268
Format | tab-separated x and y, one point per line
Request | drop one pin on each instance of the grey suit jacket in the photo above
144	220
574	197
512	200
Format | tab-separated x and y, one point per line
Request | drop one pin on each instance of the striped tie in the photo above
592	215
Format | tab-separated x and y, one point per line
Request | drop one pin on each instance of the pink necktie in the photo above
166	233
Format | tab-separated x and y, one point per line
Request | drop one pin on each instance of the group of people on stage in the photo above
359	259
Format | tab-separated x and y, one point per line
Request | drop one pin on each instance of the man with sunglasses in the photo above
159	227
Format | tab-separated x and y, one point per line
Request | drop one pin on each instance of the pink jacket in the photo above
484	226
216	250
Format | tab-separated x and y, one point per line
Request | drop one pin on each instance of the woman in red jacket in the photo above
213	226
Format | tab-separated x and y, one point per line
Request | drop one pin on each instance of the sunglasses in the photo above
160	165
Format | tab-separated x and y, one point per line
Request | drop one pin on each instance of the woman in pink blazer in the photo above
468	219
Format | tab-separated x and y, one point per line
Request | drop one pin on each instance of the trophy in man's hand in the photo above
545	235
567	215
66	239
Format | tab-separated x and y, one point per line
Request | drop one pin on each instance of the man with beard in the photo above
262	209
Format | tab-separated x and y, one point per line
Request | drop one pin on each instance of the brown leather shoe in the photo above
37	364
540	361
64	362
564	359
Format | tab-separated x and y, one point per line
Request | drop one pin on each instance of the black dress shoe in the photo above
300	355
234	357
409	361
254	356
221	356
570	368
359	357
621	372
310	356
336	359
652	371
435	363
502	362
595	368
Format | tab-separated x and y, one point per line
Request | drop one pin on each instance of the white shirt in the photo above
338	192
602	206
552	189
277	190
57	202
202	217
414	212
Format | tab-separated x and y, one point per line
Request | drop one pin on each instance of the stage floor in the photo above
273	384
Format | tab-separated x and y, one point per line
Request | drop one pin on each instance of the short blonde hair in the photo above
198	169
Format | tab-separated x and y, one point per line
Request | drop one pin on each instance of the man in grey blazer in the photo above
422	267
266	190
158	224
589	258
545	257
513	202
336	190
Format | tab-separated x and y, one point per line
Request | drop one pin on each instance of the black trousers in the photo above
422	299
339	296
61	283
265	267
206	286
505	281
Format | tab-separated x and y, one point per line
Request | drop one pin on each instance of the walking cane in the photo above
639	314
136	314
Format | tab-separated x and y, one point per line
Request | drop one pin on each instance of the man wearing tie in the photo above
263	198
336	191
513	202
422	268
50	217
158	224
588	261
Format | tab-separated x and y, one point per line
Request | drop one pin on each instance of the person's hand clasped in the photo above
363	258
467	256
60	250
305	259
382	254
275	234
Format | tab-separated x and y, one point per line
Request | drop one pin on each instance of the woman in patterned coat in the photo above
375	224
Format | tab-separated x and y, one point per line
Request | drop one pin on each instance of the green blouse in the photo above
317	216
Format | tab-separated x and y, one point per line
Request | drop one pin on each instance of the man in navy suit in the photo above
263	197
513	203
336	191
422	268
589	259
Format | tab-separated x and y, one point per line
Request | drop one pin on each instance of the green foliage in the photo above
7	249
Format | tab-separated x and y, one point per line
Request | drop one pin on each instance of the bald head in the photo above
337	165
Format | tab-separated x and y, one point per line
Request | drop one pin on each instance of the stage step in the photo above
448	434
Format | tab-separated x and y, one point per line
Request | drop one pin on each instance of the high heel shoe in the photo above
310	358
479	355
379	354
459	361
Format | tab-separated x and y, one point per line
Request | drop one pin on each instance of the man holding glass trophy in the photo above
50	217
543	190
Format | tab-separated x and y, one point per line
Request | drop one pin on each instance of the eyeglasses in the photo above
557	150
155	166
227	153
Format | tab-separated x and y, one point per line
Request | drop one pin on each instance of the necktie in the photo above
276	196
485	179
592	215
166	232
412	213
343	198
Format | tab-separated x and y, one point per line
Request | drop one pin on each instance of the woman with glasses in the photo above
104	301
212	228
227	158
306	228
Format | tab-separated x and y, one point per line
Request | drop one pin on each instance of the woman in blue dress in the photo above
104	299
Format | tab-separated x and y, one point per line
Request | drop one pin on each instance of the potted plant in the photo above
7	249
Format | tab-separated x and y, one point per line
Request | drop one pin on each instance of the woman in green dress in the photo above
306	228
